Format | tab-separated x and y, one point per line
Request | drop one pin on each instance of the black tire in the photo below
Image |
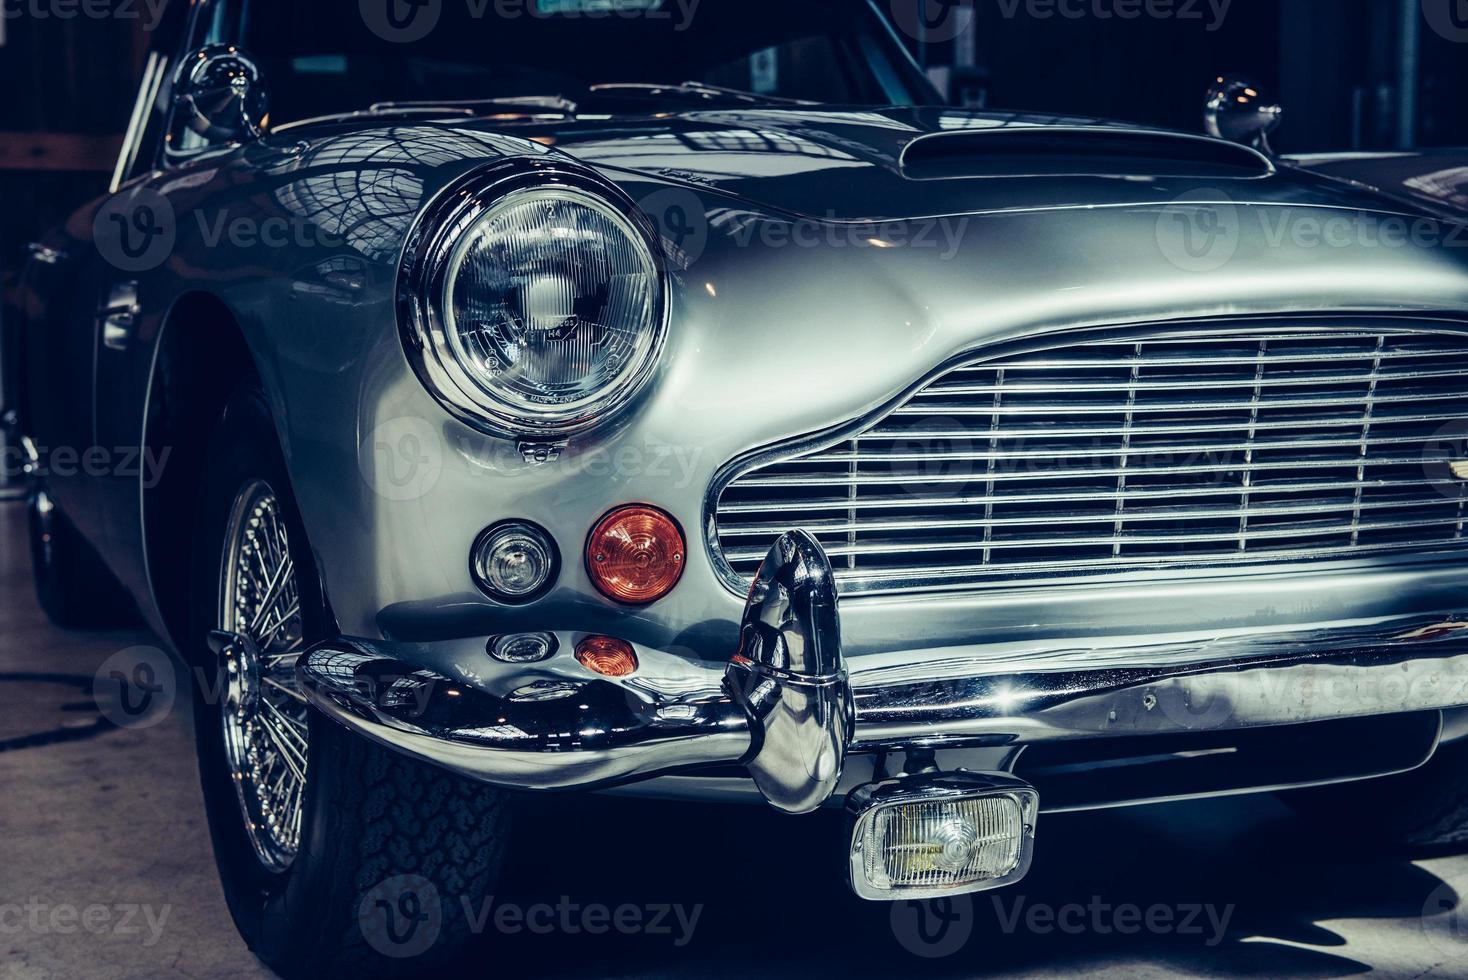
75	589
1422	809
380	835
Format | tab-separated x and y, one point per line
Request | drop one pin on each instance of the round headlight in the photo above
539	305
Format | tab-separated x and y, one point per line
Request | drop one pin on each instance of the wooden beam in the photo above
64	152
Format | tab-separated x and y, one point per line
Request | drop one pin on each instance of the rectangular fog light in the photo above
934	834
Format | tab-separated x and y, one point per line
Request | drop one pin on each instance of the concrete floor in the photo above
105	870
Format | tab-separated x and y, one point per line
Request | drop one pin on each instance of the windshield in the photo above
328	57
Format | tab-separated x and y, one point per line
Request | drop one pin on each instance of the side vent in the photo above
1078	152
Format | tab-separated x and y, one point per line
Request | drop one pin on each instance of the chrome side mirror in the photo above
1237	112
218	99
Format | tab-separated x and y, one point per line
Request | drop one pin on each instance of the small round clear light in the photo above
514	561
523	648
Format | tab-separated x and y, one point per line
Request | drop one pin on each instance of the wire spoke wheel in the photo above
264	713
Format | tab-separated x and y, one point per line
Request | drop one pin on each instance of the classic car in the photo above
677	399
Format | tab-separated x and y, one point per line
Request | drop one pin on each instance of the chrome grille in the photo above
1165	450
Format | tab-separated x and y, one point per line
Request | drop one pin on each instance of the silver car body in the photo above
788	322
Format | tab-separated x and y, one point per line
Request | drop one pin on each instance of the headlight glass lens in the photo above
552	305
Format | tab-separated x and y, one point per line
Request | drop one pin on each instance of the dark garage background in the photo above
1352	74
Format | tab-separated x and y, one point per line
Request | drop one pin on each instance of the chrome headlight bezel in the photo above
426	278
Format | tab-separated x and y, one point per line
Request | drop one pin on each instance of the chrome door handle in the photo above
120	315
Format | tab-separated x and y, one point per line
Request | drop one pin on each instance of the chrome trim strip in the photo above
549	733
153	73
555	730
1247	681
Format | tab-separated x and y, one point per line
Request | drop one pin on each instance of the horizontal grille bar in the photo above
1194	427
872	580
1113	408
881	457
1263	512
1184	384
1190	450
1239	360
1197	469
888	502
1306	530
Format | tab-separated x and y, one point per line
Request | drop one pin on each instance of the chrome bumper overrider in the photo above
786	708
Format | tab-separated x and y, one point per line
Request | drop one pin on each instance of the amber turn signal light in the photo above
607	656
636	555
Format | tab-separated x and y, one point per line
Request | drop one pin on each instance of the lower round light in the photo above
514	562
523	648
607	655
636	554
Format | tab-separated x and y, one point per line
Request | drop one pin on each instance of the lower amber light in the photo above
607	655
636	554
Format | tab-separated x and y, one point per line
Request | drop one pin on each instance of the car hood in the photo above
849	164
1434	179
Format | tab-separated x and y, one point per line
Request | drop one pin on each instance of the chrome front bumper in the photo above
786	708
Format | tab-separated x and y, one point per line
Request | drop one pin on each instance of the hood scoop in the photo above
1067	151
